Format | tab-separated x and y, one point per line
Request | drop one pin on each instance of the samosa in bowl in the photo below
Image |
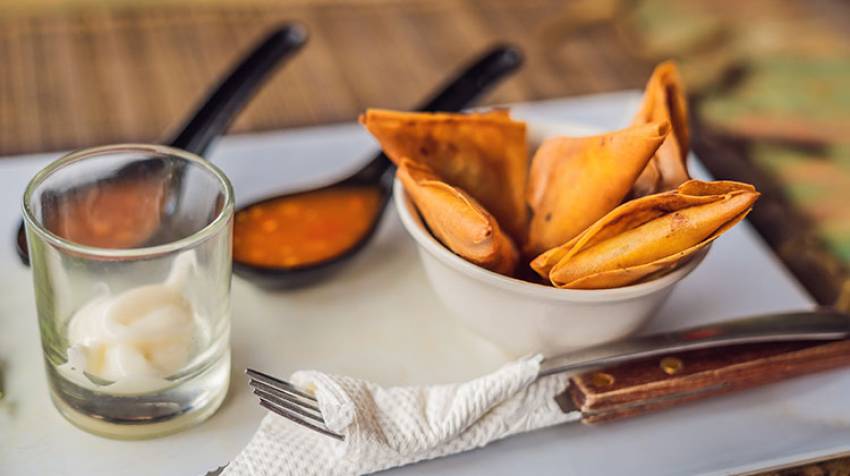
664	101
458	220
484	154
647	236
575	181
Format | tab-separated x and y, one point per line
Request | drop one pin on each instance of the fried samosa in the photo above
664	100
458	220
648	235
574	181
483	154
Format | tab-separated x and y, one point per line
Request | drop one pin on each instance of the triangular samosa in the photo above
647	235
664	100
483	154
458	220
574	181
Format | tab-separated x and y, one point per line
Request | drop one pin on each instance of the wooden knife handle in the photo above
648	385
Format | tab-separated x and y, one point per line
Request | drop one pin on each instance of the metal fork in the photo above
289	401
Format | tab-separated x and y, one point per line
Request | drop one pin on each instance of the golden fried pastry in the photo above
664	100
574	181
648	235
458	220
483	154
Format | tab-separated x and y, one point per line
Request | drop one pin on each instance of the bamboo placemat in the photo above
104	75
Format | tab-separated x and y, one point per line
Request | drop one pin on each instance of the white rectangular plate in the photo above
378	319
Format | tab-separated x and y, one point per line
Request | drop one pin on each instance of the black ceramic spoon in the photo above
218	110
461	91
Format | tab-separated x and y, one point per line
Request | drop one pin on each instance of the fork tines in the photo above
288	401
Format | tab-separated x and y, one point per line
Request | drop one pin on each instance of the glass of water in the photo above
130	247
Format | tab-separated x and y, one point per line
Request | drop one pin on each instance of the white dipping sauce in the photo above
138	337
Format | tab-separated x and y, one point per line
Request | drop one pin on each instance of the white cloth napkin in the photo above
389	427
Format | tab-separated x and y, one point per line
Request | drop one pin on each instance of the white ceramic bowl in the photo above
523	317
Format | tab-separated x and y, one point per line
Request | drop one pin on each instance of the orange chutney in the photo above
305	228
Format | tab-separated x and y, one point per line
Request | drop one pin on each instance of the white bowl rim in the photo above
447	257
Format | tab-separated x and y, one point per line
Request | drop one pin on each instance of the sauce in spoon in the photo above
306	228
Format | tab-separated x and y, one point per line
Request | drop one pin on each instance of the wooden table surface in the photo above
76	76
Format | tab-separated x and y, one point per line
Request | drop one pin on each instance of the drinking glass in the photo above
130	247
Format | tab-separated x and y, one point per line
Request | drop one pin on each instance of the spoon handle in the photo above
457	93
821	324
220	107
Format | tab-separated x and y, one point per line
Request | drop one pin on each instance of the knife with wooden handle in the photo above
664	370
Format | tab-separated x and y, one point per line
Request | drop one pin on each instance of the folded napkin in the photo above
389	427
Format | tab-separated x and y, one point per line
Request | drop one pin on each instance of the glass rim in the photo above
71	158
